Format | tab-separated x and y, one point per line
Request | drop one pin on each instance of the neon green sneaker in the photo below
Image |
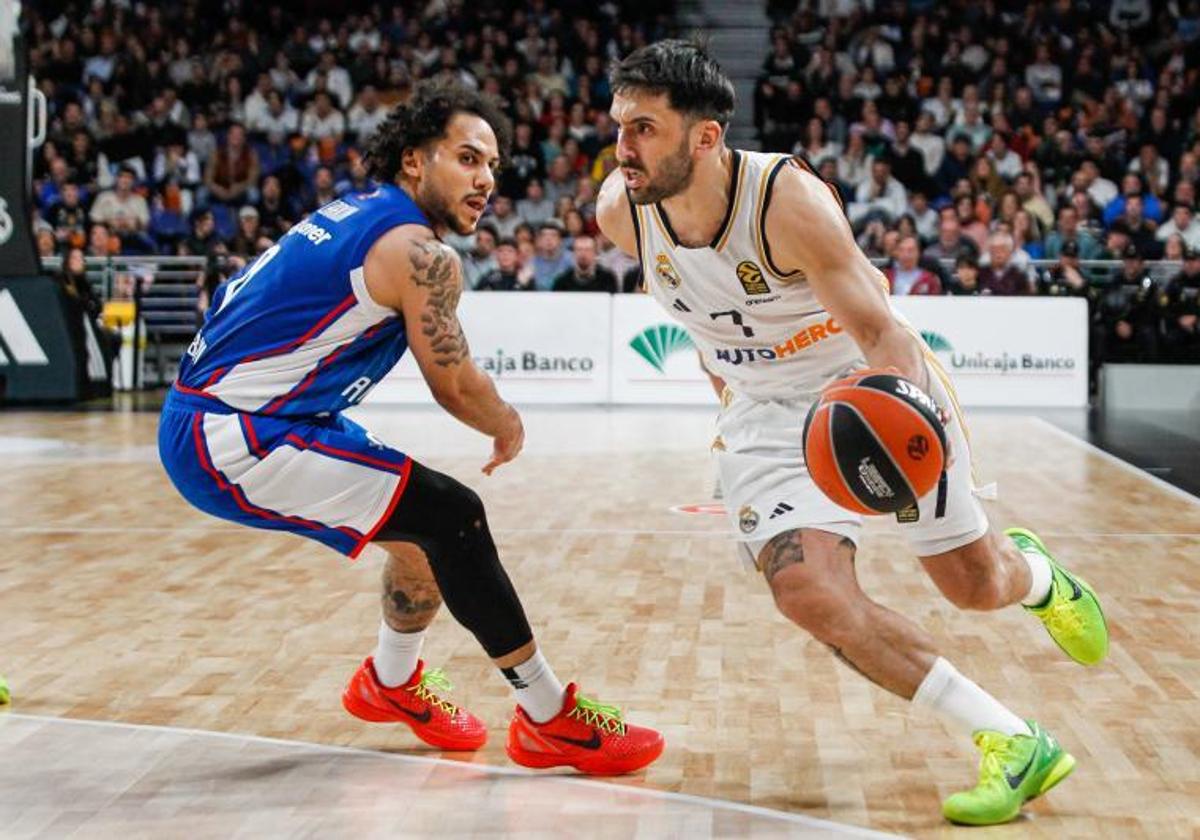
1071	613
1013	770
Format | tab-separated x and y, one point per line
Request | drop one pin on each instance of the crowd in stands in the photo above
972	140
966	139
188	129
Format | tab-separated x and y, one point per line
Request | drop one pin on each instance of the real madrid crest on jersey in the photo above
666	272
751	278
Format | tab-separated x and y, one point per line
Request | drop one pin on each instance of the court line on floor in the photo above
652	793
581	532
1177	492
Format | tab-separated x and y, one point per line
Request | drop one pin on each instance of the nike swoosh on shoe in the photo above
592	743
419	717
1014	782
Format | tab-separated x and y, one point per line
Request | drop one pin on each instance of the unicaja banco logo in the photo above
936	341
655	344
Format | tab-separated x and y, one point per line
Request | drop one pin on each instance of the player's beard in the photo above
673	177
439	209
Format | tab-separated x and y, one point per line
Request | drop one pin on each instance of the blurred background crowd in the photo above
980	147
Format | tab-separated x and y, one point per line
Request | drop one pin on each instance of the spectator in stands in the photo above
1183	222
966	276
1006	162
908	164
101	242
931	145
249	239
44	241
615	260
1181	311
881	196
956	164
231	176
506	276
951	243
1131	185
585	274
1028	188
336	79
535	207
560	179
924	217
72	278
550	258
816	146
1027	236
1088	179
853	165
357	180
905	276
1140	229
1066	278
1069	231
324	190
480	259
367	114
276	122
275	212
1002	276
68	217
322	120
503	218
203	240
1124	328
177	172
123	210
973	227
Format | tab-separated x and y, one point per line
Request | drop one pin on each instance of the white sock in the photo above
538	690
1040	576
396	655
957	699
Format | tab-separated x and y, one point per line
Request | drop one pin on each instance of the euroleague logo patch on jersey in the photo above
666	272
751	278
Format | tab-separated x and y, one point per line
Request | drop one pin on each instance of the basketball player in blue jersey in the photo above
253	431
753	254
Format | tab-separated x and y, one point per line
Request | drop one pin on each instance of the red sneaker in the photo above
434	720
585	735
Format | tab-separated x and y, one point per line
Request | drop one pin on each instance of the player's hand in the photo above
507	444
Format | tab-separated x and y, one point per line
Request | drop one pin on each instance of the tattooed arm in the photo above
413	272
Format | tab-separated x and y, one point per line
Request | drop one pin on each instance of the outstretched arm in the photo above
411	271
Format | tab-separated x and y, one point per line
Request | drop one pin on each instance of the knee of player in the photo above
818	607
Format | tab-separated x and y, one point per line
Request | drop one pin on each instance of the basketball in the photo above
873	442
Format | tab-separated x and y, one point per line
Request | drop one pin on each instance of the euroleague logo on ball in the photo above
918	447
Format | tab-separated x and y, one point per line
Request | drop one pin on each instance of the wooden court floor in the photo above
120	603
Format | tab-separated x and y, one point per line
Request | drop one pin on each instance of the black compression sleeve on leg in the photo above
447	520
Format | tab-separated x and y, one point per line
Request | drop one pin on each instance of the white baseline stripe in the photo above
1125	465
650	793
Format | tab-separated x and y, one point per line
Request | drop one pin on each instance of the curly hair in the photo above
425	118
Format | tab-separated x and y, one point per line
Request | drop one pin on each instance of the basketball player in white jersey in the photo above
752	253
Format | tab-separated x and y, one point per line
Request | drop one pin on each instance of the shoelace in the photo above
997	752
1062	618
592	713
435	679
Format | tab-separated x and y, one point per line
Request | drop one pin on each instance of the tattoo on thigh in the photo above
782	551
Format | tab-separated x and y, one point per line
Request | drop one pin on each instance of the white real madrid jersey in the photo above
760	329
